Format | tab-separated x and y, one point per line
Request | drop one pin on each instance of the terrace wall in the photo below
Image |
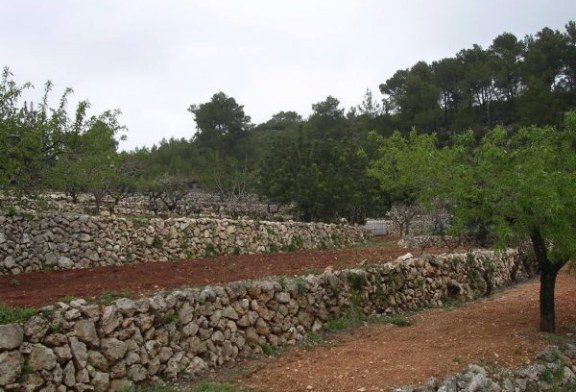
85	346
36	242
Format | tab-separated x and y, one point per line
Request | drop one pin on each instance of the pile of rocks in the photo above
554	371
65	241
112	347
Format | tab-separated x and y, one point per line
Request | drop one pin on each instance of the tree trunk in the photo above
547	303
548	273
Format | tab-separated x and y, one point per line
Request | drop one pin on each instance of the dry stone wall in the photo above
554	370
66	241
84	346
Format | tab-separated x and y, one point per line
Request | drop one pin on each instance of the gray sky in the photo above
152	59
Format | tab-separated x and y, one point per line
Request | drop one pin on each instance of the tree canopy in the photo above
518	185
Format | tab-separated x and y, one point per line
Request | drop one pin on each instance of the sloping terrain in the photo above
501	332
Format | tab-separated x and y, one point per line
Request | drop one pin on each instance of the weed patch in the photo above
9	314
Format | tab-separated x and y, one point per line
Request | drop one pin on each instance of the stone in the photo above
111	319
132	358
126	306
65	262
32	382
96	359
84	237
69	375
82	376
262	328
35	328
11	336
51	259
101	381
10	367
72	314
85	331
186	313
41	357
63	354
56	339
137	373
165	354
93	255
113	349
190	329
229	313
79	353
158	303
196	366
282	297
9	262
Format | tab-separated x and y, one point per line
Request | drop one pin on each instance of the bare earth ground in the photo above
42	288
501	331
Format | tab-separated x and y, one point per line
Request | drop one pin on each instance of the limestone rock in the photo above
11	336
41	358
113	349
65	262
35	328
85	331
79	353
10	367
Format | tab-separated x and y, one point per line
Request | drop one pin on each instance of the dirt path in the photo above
500	331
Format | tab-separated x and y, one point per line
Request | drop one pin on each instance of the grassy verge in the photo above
9	314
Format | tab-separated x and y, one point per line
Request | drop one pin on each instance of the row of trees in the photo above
319	164
43	147
515	81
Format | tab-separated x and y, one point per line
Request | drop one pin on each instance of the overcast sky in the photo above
152	59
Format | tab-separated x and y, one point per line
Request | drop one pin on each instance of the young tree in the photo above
524	185
519	187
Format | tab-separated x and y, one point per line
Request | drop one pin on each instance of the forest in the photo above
337	163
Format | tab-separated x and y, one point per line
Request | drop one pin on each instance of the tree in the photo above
403	170
324	178
524	183
221	123
520	186
30	136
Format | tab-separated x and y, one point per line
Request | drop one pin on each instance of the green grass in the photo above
218	387
10	314
399	320
311	271
353	318
270	350
555	339
108	297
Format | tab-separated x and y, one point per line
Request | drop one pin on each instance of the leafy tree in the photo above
225	154
281	121
30	136
403	169
520	186
447	74
542	101
221	123
414	95
324	178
